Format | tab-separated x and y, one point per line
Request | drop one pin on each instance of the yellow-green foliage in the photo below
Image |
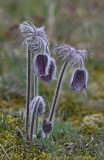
16	148
42	156
85	158
95	118
14	145
92	123
89	128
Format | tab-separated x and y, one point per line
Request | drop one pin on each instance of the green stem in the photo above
53	108
27	95
32	121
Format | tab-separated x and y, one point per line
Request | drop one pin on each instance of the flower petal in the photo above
51	72
40	65
79	80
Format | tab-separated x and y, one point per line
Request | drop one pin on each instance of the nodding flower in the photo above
40	65
41	106
75	57
79	80
46	127
70	54
51	75
35	38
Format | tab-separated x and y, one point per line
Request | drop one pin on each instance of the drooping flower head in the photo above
51	75
37	41
40	65
35	38
70	54
74	57
46	126
41	105
79	80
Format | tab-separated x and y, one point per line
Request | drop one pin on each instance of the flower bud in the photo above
41	106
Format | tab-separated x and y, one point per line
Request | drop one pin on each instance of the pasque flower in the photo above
35	38
40	107
40	65
37	107
70	54
44	67
79	80
51	75
37	41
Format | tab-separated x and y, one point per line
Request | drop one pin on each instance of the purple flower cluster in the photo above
36	39
44	67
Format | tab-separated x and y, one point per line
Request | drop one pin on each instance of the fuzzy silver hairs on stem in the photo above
37	108
73	57
27	95
36	41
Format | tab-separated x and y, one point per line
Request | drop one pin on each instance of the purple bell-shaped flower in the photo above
51	72
40	65
79	80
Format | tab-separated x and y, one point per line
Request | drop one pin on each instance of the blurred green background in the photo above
79	23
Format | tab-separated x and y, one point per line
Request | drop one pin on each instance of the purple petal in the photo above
79	80
40	65
51	72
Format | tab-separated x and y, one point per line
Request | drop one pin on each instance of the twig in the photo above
9	149
4	152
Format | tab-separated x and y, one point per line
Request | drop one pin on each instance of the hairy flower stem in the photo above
36	94
27	95
32	78
37	124
35	86
32	121
57	91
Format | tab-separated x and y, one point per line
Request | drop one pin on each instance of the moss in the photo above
95	118
85	158
15	145
42	156
89	128
52	148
